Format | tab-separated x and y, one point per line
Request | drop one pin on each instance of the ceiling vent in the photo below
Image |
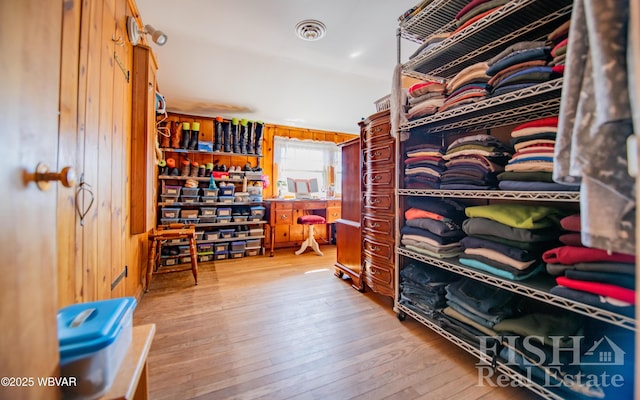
310	29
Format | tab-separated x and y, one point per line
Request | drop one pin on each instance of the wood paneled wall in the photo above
95	137
286	235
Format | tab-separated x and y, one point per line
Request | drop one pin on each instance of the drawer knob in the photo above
375	201
377	177
283	217
374	225
377	153
376	130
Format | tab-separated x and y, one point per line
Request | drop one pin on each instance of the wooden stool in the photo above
310	220
158	236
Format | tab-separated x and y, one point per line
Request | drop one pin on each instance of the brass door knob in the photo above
43	177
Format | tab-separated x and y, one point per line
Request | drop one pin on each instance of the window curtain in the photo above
305	159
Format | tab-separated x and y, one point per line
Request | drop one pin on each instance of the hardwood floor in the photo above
286	327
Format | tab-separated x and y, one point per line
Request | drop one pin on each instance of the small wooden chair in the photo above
158	237
310	241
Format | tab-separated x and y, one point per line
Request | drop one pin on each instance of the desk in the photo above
286	212
131	380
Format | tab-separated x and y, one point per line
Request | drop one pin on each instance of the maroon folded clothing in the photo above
470	6
571	239
571	223
568	255
603	289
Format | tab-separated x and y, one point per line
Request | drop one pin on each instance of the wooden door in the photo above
30	32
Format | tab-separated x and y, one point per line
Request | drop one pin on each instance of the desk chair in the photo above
310	220
158	237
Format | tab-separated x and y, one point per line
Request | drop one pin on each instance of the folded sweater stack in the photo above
433	227
423	166
425	98
521	65
508	240
591	276
531	167
472	163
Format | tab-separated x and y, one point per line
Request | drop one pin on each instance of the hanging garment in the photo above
595	121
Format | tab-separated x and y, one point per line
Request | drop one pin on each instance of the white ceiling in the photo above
225	55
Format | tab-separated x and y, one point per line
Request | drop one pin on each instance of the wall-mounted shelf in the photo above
215	153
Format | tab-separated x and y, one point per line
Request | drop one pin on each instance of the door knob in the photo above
43	177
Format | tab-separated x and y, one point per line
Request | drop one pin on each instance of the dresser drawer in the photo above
384	178
334	203
378	272
379	201
378	225
283	217
380	154
282	205
379	132
377	248
333	214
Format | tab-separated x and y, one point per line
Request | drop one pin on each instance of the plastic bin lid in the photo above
89	327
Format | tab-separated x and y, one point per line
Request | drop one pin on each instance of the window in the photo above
306	159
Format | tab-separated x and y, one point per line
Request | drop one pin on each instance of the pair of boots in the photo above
190	136
168	167
240	137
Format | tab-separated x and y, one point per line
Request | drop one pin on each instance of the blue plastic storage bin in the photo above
93	340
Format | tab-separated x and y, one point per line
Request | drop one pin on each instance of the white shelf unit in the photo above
517	20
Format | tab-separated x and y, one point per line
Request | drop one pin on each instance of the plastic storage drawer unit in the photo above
208	211
227	190
236	254
226	233
224	211
238	246
169	212
219	247
189	214
190	191
93	340
257	211
209	192
175	190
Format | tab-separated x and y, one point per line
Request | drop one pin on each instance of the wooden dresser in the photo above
348	233
378	203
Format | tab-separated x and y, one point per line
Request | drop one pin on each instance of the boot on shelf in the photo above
250	137
235	131
194	169
217	139
228	133
243	136
164	131
195	136
186	135
162	168
202	171
171	167
186	168
176	134
208	169
259	126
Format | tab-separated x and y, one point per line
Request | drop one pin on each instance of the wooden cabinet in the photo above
348	233
378	203
143	131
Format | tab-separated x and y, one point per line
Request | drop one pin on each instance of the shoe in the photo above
194	169
223	168
186	135
259	125
202	171
247	167
174	172
195	136
208	169
186	169
217	144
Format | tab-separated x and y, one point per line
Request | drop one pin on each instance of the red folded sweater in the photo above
603	289
569	255
549	121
